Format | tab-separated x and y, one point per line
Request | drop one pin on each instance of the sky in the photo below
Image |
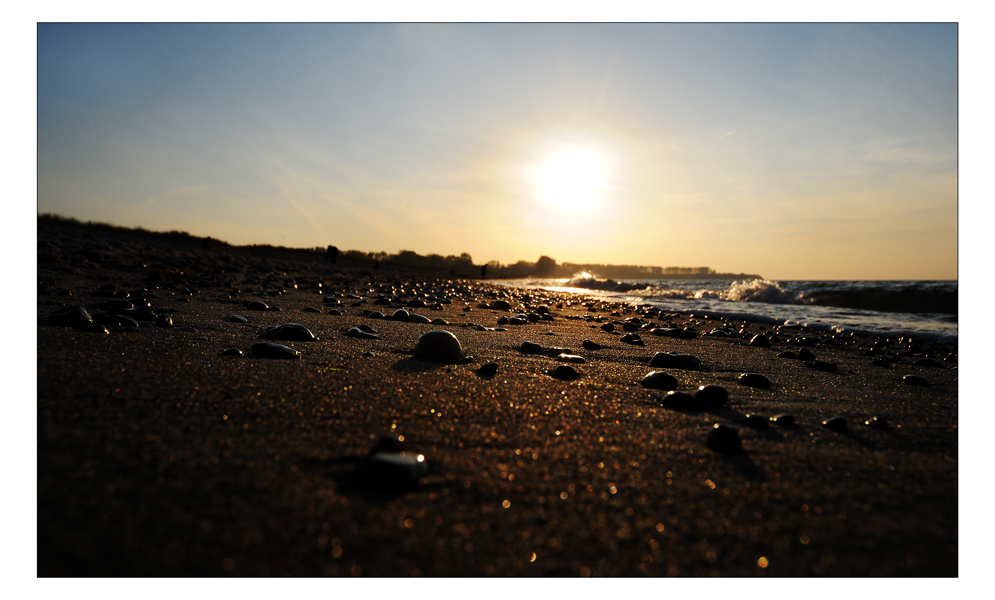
793	151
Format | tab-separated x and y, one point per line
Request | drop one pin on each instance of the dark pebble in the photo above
530	348
680	401
375	314
589	345
311	309
760	341
369	354
72	316
683	334
232	352
785	420
711	396
487	369
788	354
438	346
257	305
608	327
163	321
396	470
292	332
271	350
659	380
676	361
876	423
356	332
417	318
499	305
564	372
754	380
806	354
724	438
632	338
399	315
821	365
915	380
835	424
96	328
571	358
367	329
238	319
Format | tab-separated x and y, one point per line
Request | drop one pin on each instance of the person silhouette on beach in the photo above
331	254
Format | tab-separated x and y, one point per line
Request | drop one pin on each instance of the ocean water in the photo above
923	309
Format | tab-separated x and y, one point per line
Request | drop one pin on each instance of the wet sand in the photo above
160	456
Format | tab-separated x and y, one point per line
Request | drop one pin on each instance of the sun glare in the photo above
571	177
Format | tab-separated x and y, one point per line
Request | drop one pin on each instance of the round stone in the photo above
270	350
293	332
488	369
835	424
754	380
396	470
232	352
589	345
438	346
257	305
659	380
311	309
632	338
499	305
399	315
163	321
238	319
609	327
679	400
785	420
417	318
724	438
96	328
821	365
72	316
760	341
356	332
530	348
669	360
571	358
915	380
711	396
564	372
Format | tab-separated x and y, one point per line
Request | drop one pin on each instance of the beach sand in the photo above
160	456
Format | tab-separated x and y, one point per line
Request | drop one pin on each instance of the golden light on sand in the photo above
571	176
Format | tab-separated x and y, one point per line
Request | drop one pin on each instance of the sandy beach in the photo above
161	455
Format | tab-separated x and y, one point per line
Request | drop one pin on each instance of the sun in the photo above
571	177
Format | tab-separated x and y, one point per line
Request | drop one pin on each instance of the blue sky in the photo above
797	151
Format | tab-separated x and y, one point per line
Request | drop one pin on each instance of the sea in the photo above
925	310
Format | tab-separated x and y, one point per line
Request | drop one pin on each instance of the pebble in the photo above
876	423
724	438
487	369
788	354
531	348
676	361
375	314
806	354
108	320
356	332
499	305
632	338
399	315
271	350
684	334
238	319
396	470
783	419
711	396
440	322
232	352
835	424
571	358
257	305
417	318
821	365
369	354
163	321
96	328
126	321
754	380
589	345
367	329
915	380
680	401
293	332
311	309
608	327
659	380
517	320
757	421
564	372
438	346
760	341
339	313
72	316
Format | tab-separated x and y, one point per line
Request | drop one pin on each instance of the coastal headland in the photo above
172	441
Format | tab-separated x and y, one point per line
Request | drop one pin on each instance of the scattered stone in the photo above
609	327
396	470
399	315
571	358
754	380
95	328
680	401
163	321
367	329
72	316
438	346
530	348
417	318
271	350
669	360
564	372
876	423
356	332
633	338
369	354
293	332
311	309
683	334
498	305
659	380
258	305
784	420
338	313
375	314
821	365
806	354
760	341
835	424
711	396
440	322
757	421
724	438
238	319
915	380
232	352
488	369
589	345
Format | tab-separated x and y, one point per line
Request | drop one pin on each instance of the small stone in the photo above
311	309
760	341
438	346
806	354
589	345
754	380
292	332
632	338
821	365
339	313
711	396
668	360
571	358
238	319
784	420
257	305
683	334
659	380
488	369
163	321
375	314
609	327
499	305
440	322
73	316
530	348
95	328
396	470
876	423
399	315
757	421
232	352
417	318
564	372
724	438
271	350
680	401
915	380
367	329
356	332
835	424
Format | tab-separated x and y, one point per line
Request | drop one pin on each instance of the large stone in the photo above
438	346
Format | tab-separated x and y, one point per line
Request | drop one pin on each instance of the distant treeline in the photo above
459	266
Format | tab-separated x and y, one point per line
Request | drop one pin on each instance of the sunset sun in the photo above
571	177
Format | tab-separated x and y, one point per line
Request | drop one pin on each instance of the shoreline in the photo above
160	456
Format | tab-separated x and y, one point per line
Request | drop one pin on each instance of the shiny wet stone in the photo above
95	328
760	341
673	360
835	424
438	346
754	380
571	358
417	318
564	372
530	348
258	305
783	420
291	332
238	319
356	332
396	470
659	380
724	438
915	380
679	401
72	316
271	350
589	345
711	396
488	369
232	352
632	338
